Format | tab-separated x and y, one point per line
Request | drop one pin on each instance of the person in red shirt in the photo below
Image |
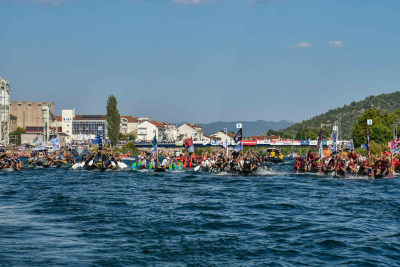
353	155
310	159
352	167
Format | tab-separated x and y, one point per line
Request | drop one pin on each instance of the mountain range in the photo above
345	117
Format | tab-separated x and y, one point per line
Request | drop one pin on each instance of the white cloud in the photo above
336	44
190	2
301	45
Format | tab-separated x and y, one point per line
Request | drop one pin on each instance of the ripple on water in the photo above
55	217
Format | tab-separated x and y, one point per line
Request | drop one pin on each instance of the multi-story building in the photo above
88	126
171	131
148	129
67	115
29	114
13	123
191	130
128	124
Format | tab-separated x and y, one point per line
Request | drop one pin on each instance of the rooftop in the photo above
90	117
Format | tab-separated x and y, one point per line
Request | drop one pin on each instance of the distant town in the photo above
38	118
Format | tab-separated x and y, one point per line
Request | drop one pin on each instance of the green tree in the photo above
113	120
18	133
380	131
312	135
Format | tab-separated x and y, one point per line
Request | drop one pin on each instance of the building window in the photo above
39	105
29	105
19	104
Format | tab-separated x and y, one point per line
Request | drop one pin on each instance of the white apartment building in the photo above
171	131
147	129
191	130
67	115
128	124
222	136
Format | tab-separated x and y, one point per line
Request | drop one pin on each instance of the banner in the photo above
249	142
38	140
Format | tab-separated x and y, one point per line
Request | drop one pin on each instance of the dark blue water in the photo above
56	217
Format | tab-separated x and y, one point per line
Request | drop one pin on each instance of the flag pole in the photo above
226	140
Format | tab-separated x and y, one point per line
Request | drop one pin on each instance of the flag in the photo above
55	141
22	147
154	145
391	144
239	147
319	143
189	144
396	150
364	146
334	146
38	140
351	145
101	140
225	144
238	136
56	146
368	138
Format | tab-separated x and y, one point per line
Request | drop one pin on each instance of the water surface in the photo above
60	217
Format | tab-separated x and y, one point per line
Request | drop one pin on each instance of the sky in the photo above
200	61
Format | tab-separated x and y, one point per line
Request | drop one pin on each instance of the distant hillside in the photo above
249	127
348	114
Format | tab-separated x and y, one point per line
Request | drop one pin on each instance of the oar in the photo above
390	174
75	166
134	165
372	174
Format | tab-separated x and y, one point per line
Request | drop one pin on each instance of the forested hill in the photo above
347	114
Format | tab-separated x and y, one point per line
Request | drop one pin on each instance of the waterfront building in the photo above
67	115
221	135
128	124
87	127
206	138
191	130
4	111
171	131
13	123
29	114
147	129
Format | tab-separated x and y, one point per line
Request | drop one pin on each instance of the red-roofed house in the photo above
147	130
222	136
128	124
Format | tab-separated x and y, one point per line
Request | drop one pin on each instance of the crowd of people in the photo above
101	160
344	162
233	162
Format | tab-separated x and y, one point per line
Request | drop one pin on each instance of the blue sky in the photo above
199	60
